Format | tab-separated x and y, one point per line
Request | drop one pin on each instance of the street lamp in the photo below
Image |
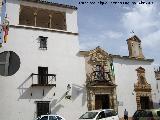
68	93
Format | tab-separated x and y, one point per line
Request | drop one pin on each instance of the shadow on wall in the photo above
156	105
77	90
26	91
55	107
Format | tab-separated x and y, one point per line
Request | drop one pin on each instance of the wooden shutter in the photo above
42	108
42	75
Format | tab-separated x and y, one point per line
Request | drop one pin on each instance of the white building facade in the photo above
43	71
126	79
137	85
48	76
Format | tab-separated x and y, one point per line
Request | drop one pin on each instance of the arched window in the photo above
43	19
26	16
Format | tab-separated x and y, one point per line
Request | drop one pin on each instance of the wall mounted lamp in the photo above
68	93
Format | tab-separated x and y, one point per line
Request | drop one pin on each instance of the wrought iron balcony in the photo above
43	79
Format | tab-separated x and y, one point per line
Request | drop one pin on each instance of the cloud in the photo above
144	21
141	17
152	40
126	8
89	41
104	39
114	35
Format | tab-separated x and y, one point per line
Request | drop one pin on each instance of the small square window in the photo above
43	42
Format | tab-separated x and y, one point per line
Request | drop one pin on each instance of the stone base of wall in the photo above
122	118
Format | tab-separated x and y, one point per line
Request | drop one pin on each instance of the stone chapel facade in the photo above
120	82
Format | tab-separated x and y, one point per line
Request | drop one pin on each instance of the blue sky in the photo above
110	25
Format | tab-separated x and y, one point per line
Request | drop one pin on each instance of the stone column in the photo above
93	101
50	21
138	101
110	100
35	18
89	100
115	106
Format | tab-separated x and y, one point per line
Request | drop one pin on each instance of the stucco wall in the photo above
126	77
60	58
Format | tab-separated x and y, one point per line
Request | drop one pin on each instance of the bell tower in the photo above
134	47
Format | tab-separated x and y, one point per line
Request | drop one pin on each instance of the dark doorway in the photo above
144	102
42	108
42	75
102	101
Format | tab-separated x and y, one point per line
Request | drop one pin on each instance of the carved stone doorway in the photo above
101	97
102	101
143	91
100	80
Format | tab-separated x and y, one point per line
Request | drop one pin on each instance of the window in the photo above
59	118
42	75
9	63
114	113
132	44
89	115
32	16
44	118
158	113
100	72
101	115
139	45
43	108
109	114
43	42
26	16
52	118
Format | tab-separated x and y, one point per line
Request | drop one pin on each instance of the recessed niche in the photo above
9	63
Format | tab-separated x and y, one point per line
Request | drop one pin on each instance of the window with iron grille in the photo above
43	42
43	108
100	72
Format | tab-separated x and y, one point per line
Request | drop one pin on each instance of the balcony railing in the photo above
43	79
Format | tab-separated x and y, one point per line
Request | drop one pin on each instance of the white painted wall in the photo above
61	58
125	77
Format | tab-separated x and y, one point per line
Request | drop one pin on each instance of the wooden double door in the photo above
102	101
